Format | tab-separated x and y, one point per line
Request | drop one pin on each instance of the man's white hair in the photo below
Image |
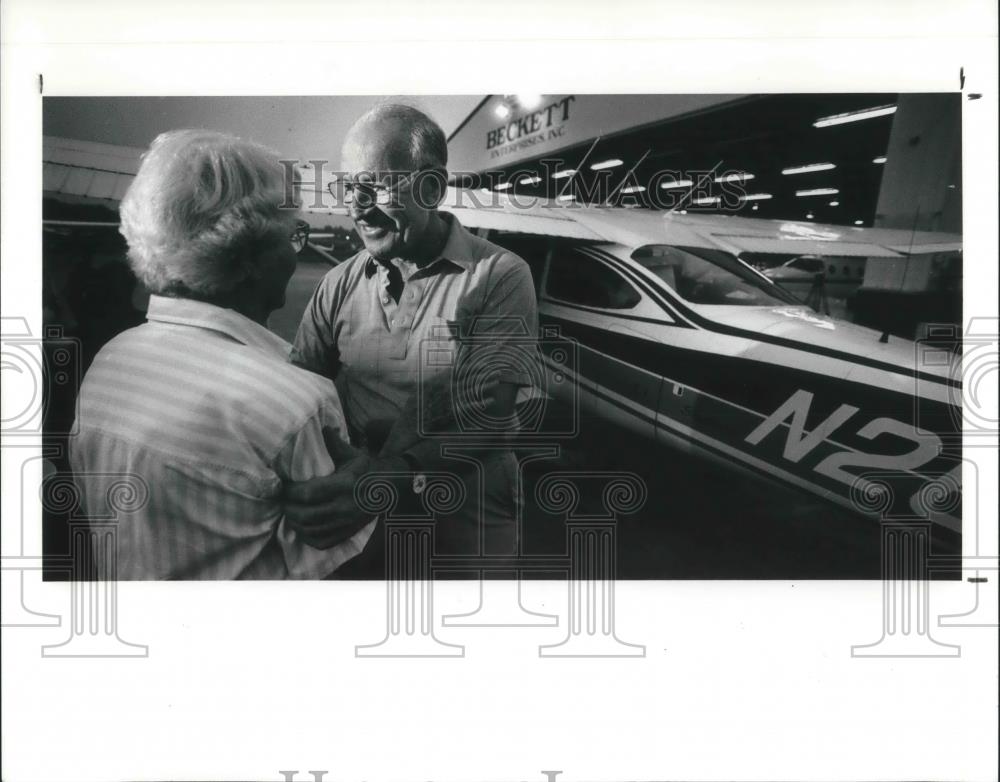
198	209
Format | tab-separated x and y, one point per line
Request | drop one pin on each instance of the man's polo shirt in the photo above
378	350
202	405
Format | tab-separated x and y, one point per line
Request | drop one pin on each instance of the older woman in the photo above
200	403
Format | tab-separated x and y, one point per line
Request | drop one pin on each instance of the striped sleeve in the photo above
305	457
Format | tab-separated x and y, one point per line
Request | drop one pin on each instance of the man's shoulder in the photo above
498	259
346	271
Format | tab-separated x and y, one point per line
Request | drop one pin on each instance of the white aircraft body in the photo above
686	345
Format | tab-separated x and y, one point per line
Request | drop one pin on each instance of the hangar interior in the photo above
855	161
785	145
851	160
859	160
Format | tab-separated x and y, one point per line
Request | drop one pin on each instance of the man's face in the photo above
375	154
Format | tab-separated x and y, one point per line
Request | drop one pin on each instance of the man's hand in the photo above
324	512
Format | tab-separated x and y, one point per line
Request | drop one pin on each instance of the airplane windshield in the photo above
703	276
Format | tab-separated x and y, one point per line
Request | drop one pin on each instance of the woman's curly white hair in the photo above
198	209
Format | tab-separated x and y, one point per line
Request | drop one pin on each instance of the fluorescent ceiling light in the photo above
707	200
676	183
817	192
503	186
531	180
835	203
634	189
606	164
854	116
755	207
737	177
756	197
880	159
809	216
564	173
808	169
859	222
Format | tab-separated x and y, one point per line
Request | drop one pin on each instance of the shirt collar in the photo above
457	248
200	314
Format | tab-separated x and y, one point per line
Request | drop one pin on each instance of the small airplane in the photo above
685	344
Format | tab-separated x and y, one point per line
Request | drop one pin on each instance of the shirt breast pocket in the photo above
436	344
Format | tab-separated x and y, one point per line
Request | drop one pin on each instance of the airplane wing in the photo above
500	220
801	246
791	237
636	227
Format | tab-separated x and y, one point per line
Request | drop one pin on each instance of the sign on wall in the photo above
488	141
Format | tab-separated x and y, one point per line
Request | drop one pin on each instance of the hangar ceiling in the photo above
767	137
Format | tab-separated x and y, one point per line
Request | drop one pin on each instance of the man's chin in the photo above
381	250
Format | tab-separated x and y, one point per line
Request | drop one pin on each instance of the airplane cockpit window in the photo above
703	276
579	279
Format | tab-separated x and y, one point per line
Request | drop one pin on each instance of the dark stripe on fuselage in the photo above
756	385
616	314
769	463
773	474
720	328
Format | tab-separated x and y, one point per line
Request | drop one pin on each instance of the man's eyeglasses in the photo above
368	194
300	235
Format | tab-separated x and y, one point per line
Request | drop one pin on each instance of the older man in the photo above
200	402
420	275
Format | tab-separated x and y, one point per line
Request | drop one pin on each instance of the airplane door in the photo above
597	306
675	412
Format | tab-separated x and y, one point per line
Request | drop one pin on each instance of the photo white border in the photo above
742	680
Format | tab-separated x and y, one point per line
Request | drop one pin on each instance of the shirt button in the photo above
385	299
413	295
392	321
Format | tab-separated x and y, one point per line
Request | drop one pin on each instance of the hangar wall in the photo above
921	185
486	140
